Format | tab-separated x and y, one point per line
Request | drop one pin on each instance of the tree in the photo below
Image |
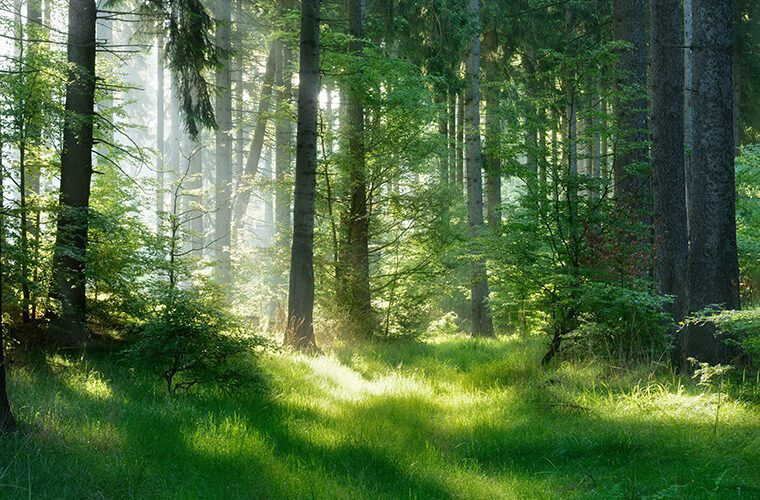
355	288
76	171
630	166
712	275
300	331
668	179
223	204
482	324
7	421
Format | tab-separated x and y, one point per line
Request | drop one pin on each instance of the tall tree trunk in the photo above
493	164
160	143
356	287
712	275
632	176
300	332
194	197
257	142
482	324
460	142
688	75
7	421
452	137
76	172
283	136
223	205
671	244
237	77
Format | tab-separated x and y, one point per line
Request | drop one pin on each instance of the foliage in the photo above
742	327
748	222
187	340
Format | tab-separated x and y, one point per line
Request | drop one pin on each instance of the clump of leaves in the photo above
188	339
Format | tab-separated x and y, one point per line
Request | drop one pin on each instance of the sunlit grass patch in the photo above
447	417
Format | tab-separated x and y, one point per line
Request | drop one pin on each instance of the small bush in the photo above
189	340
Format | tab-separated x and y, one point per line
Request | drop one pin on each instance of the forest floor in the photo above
448	417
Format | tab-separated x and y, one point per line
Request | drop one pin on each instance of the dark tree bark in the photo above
257	143
632	176
223	204
76	172
7	421
300	331
355	292
452	137
492	142
671	244
712	275
482	324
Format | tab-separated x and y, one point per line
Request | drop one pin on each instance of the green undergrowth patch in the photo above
448	417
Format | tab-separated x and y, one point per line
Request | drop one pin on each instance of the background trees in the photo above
385	240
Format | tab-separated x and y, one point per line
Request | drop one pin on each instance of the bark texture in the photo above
632	176
76	172
713	270
482	325
356	293
300	331
671	245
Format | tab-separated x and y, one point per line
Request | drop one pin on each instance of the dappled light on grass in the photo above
443	418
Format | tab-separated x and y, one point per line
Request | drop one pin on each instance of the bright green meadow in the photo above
449	417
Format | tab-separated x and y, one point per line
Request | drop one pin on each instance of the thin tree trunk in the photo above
300	332
160	132
482	324
223	205
668	182
460	141
76	172
283	135
493	164
452	137
257	143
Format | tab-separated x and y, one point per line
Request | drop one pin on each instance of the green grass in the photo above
447	418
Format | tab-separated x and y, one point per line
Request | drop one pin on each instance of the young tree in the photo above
300	331
482	324
7	421
668	179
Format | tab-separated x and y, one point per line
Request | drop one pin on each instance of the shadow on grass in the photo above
113	433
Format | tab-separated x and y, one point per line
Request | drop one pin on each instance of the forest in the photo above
380	249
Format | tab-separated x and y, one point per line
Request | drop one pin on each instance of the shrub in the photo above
188	340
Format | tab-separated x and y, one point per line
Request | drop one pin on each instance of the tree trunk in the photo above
452	137
257	143
356	291
493	164
76	172
7	422
460	142
632	175
283	135
159	132
713	271
671	244
482	324
300	331
223	205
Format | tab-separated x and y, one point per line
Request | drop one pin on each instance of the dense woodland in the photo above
271	214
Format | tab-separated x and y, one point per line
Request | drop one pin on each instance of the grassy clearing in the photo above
447	418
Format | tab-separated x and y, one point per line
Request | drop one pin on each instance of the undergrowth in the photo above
448	417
